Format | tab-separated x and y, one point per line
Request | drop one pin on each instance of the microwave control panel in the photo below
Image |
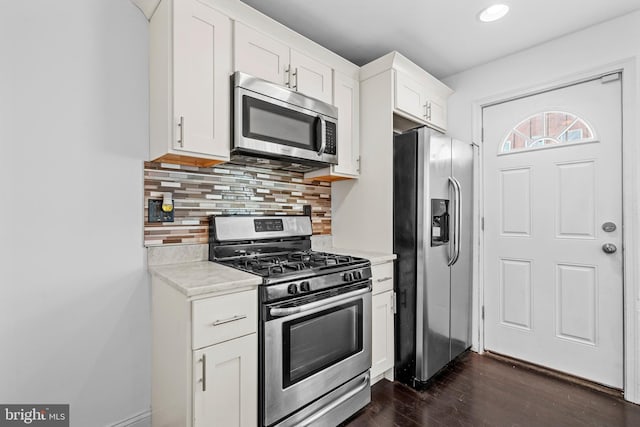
331	135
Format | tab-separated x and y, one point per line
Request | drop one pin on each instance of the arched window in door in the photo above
547	129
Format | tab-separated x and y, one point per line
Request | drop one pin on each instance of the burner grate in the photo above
289	263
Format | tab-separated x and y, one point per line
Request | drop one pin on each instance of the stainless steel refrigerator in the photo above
432	213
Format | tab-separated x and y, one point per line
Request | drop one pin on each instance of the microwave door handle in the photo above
323	135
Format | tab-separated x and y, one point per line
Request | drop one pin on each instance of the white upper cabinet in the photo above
346	96
417	95
410	96
195	47
261	56
310	77
420	100
190	64
437	112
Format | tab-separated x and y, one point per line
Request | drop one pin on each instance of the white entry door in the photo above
553	229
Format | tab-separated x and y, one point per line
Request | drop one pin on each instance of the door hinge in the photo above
482	134
482	224
359	164
610	78
394	306
482	315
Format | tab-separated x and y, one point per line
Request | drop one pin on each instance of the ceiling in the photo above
442	36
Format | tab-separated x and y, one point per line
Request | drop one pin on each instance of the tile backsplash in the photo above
228	189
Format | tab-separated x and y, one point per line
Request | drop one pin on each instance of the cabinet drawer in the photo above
382	277
222	318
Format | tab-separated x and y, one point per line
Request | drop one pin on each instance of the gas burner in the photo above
274	266
300	256
331	259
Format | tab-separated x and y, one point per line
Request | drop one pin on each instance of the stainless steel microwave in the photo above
273	122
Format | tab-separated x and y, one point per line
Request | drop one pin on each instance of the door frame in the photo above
630	209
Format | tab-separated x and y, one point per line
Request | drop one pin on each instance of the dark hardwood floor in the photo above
491	391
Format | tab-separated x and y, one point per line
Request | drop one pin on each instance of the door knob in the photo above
609	248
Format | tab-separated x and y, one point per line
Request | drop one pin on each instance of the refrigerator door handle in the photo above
457	215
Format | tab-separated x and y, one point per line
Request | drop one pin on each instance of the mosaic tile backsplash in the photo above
228	189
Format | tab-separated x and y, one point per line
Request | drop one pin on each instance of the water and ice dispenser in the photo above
439	222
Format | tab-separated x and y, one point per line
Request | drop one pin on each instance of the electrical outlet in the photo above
156	214
306	210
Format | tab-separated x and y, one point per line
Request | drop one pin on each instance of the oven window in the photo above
269	122
316	342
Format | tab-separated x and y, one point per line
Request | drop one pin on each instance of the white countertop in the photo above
374	257
203	277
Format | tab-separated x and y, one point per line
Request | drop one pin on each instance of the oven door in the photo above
322	344
277	129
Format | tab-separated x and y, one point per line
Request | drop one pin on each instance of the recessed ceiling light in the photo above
493	13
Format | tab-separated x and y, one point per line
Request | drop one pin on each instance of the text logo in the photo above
36	415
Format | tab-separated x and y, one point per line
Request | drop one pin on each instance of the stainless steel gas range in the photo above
315	319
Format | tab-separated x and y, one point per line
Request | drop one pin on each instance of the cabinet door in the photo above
259	55
346	96
410	97
201	67
225	380
382	333
311	77
437	113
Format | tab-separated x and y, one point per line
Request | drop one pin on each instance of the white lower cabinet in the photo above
382	330
382	322
224	378
204	358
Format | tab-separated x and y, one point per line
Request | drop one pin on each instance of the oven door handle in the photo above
339	401
280	312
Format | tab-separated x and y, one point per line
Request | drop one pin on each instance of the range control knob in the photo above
305	287
357	275
292	289
348	277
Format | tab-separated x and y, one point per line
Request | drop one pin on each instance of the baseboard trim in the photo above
553	373
143	419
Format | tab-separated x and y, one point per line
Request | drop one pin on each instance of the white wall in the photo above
74	294
576	53
562	59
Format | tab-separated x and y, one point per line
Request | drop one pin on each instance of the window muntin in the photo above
547	129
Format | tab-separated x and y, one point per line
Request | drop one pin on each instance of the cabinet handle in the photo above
288	73
295	74
384	279
204	372
394	304
229	320
181	126
429	111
